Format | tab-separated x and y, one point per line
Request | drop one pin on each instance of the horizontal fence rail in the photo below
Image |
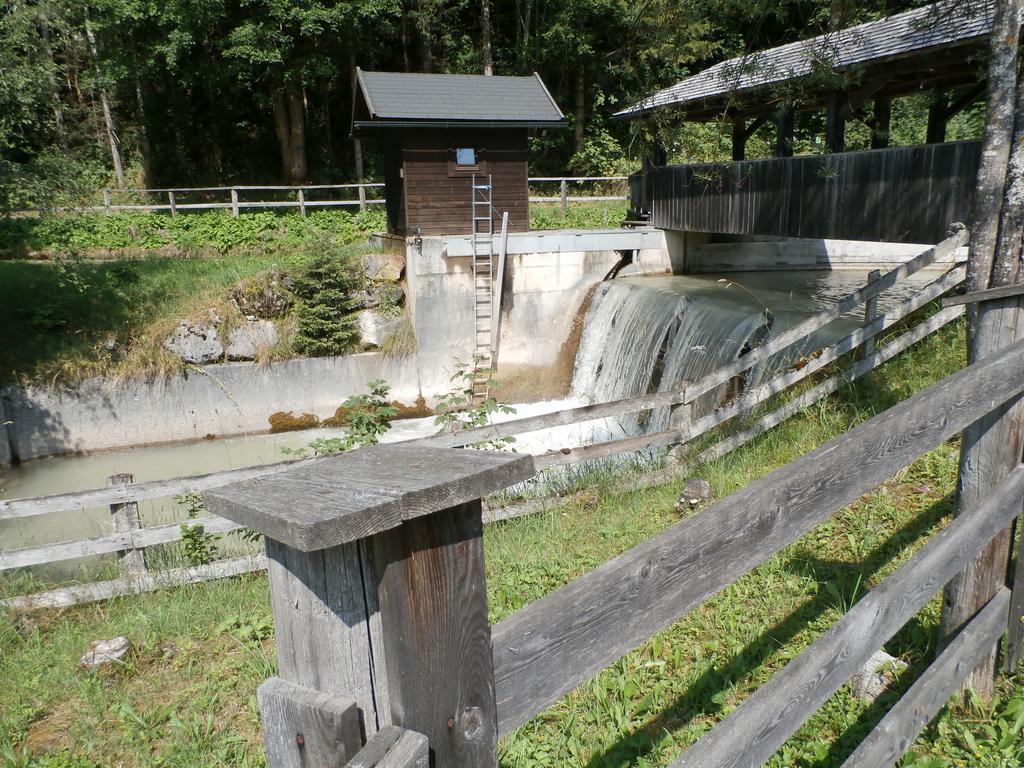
688	431
558	642
752	733
301	199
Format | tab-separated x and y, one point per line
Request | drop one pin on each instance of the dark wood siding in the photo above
437	195
906	194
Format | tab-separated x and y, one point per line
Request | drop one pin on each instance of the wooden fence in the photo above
240	197
128	536
380	605
301	197
848	195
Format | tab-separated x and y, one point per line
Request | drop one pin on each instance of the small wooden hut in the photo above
442	131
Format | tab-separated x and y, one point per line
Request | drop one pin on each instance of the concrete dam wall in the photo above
541	319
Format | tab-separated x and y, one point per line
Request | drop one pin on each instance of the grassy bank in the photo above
186	695
214	233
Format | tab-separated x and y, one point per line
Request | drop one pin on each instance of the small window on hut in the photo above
465	156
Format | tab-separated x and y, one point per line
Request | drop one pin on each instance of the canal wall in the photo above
544	296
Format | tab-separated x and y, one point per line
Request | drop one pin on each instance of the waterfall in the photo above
650	334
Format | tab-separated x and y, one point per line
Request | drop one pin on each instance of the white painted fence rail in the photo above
874	325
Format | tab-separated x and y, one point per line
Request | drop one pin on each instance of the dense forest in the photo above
185	92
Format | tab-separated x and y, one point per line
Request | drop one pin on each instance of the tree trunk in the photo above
144	145
108	117
581	106
485	28
423	32
298	168
526	37
290	127
58	109
992	446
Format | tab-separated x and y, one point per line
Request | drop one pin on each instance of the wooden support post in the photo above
784	124
938	115
881	123
835	123
739	139
126	519
357	150
563	195
870	313
992	446
173	203
378	590
106	202
302	202
234	203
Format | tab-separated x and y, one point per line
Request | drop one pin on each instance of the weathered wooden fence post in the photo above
870	312
126	519
302	202
563	193
992	446
379	598
362	198
234	203
172	202
106	202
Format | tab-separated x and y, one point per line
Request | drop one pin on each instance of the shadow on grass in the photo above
699	698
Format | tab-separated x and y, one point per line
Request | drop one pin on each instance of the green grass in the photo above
69	318
215	232
186	696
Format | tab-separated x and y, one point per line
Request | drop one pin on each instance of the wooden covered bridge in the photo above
904	194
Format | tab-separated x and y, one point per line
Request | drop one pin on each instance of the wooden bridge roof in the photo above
930	46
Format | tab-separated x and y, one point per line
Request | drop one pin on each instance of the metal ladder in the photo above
483	285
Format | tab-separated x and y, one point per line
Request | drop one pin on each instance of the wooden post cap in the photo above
356	494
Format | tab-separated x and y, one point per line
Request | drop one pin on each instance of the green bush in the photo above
219	230
326	286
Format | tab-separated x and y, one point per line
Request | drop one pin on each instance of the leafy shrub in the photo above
197	546
457	409
326	286
261	230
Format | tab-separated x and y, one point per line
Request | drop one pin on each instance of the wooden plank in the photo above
116	542
752	732
563	639
688	432
832	384
437	640
359	493
837	310
134	585
321	625
303	728
988	294
896	732
125	518
393	747
155	489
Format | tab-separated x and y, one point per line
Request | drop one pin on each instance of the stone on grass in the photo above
697	491
105	652
870	681
247	341
196	343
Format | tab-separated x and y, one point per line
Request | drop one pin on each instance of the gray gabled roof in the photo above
401	98
916	32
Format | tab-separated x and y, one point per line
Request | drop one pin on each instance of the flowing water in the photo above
642	334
